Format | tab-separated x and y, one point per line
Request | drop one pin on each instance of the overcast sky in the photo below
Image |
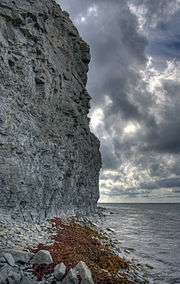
134	82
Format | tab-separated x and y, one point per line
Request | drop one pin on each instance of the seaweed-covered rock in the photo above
49	159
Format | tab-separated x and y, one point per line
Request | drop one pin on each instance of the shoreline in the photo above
72	240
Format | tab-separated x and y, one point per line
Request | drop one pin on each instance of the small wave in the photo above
149	236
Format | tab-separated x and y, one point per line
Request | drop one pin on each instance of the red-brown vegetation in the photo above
75	241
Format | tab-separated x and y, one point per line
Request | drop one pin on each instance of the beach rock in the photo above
2	281
14	278
84	272
21	257
26	280
111	230
9	258
4	272
149	266
49	159
71	278
42	257
2	261
59	271
10	275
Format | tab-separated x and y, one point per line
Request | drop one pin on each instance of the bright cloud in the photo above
131	128
97	118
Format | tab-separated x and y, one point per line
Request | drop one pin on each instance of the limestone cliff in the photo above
49	159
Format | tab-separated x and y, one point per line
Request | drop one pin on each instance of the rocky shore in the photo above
71	250
26	268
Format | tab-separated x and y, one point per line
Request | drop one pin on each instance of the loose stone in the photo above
9	258
71	278
84	273
42	257
59	271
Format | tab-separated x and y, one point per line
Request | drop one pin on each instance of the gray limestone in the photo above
23	274
14	278
49	159
59	271
71	277
21	257
80	274
42	257
7	271
17	235
84	273
26	280
9	258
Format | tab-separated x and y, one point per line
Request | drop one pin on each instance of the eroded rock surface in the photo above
49	159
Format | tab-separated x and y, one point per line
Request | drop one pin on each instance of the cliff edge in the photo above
49	159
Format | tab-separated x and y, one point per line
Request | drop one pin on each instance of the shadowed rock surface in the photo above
49	159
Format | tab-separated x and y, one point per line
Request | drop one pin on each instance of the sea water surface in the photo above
153	231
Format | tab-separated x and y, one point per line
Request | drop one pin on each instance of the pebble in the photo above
9	258
4	272
18	234
2	260
21	257
149	266
26	280
14	277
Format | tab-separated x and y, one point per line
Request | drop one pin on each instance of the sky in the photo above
134	82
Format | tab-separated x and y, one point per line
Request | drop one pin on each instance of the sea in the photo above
150	233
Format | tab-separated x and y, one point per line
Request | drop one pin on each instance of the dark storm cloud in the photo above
166	48
119	58
109	159
165	40
163	137
164	44
118	51
166	138
116	48
156	12
164	183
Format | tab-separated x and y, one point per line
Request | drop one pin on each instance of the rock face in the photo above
49	159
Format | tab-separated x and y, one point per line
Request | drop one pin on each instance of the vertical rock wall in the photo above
49	159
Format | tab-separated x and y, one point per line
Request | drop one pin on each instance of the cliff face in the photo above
49	159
